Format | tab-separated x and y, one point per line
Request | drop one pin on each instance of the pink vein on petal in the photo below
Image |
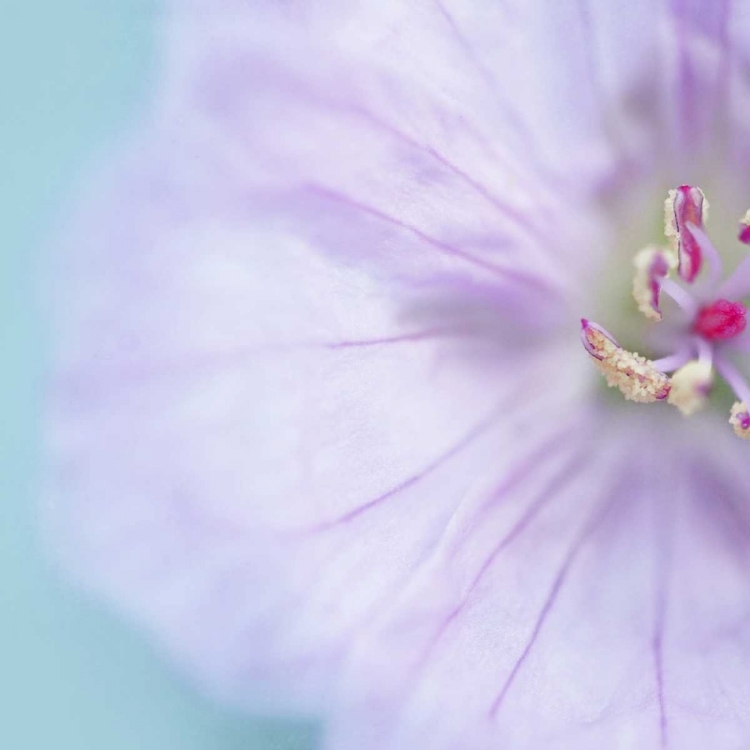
557	585
519	218
443	247
127	371
554	486
552	489
664	531
658	656
455	449
483	69
529	464
487	422
429	333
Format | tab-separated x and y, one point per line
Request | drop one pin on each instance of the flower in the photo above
321	421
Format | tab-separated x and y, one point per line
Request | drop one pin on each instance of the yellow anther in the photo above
691	385
740	419
634	375
652	264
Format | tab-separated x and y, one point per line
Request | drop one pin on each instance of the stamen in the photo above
695	337
635	376
734	379
705	351
709	252
597	347
673	362
685	205
744	233
721	320
683	299
691	385
739	418
652	266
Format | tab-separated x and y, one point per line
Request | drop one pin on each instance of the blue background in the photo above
74	75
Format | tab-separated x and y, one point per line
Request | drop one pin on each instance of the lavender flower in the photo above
322	422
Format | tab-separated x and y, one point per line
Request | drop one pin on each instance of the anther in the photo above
635	376
744	234
685	205
691	385
702	327
652	266
740	419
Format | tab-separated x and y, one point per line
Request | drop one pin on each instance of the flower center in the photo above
712	325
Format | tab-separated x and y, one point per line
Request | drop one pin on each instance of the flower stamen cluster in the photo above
712	327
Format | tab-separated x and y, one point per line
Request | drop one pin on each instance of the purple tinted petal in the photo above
700	80
253	444
271	449
615	633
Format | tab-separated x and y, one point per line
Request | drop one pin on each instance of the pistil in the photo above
721	320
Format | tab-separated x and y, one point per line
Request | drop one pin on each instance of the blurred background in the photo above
74	78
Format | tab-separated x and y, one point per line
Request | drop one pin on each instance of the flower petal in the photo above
415	138
589	615
254	445
302	344
654	73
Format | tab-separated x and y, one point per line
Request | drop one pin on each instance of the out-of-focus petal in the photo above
304	335
395	119
598	84
255	445
584	616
